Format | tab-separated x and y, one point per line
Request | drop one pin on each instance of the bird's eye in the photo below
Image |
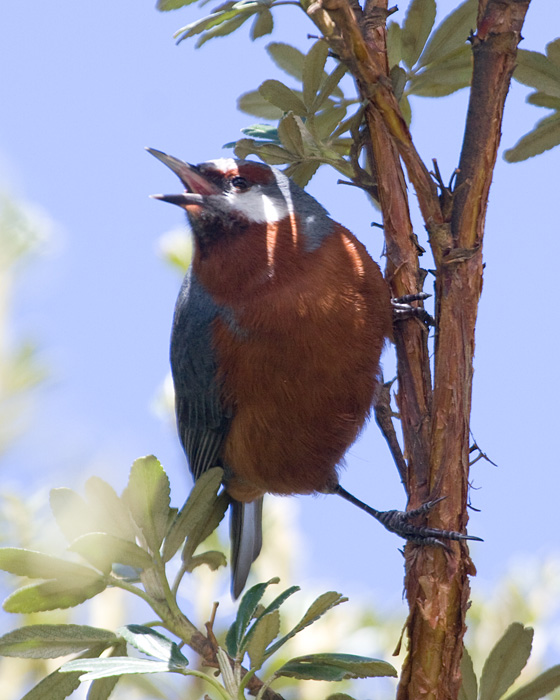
240	184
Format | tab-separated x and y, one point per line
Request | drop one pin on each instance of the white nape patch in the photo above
257	206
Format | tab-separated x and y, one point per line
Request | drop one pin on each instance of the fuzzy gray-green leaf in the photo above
255	104
416	29
394	44
51	641
544	136
303	171
166	5
153	643
103	550
313	72
335	667
263	24
25	562
536	70
266	629
553	52
281	96
469	685
91	669
506	661
212	559
540	686
290	134
147	497
287	58
195	511
109	512
52	595
452	33
72	514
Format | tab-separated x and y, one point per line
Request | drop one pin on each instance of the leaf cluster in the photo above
502	668
540	71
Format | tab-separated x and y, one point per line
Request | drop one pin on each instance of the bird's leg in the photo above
398	521
402	308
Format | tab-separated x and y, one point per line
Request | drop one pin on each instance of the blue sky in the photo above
85	87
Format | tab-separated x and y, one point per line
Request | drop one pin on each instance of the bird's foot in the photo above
402	308
398	521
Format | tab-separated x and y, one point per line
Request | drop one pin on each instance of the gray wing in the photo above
202	423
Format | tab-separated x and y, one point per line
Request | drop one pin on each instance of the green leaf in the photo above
52	595
416	29
266	629
269	152
542	685
544	136
199	25
290	133
57	686
553	51
102	688
195	513
150	642
262	131
287	58
445	76
335	667
469	685
263	24
536	70
226	26
212	559
103	550
302	172
394	44
506	661
452	33
72	514
51	641
245	614
166	5
317	609
110	513
330	86
280	95
313	72
91	669
339	696
204	521
25	562
541	99
254	103
327	121
147	497
398	80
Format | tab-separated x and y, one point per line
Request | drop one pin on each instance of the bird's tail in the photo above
246	540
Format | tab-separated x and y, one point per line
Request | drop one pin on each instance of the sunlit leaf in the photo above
418	23
469	685
266	132
102	688
270	153
51	641
153	643
166	5
335	667
452	33
110	513
506	661
73	515
52	595
280	95
117	666
544	136
147	497
103	550
287	58
227	26
302	172
25	562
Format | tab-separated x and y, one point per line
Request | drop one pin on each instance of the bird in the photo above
276	343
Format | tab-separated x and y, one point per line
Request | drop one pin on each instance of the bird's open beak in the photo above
197	187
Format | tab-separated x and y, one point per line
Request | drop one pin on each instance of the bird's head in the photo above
226	196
